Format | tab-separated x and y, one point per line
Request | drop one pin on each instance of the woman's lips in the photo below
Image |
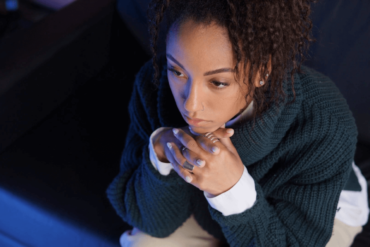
194	121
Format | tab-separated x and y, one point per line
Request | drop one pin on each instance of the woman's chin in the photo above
203	130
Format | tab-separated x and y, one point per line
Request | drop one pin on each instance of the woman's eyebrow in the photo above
175	61
219	71
206	73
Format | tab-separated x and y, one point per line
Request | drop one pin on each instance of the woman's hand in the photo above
161	139
217	166
160	143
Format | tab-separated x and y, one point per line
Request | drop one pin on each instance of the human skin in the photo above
193	50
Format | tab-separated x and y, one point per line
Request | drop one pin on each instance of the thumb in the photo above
224	135
223	132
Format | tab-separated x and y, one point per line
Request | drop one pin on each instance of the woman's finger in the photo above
169	155
224	137
193	158
210	143
223	132
179	162
183	173
179	158
186	140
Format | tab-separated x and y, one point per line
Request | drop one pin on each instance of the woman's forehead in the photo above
196	43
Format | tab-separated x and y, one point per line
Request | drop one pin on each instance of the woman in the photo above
233	142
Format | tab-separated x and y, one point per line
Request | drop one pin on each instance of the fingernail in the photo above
230	131
188	179
215	149
175	131
169	145
200	162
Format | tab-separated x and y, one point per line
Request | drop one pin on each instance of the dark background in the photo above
65	81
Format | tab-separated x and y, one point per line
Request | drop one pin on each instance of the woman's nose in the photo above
193	98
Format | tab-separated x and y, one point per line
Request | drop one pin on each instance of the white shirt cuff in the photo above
236	200
162	167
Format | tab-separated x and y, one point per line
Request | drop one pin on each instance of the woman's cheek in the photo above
176	92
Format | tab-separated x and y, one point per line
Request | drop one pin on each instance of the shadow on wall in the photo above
342	52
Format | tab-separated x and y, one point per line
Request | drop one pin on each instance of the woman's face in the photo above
200	72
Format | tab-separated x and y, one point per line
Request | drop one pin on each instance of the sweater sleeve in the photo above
141	196
299	212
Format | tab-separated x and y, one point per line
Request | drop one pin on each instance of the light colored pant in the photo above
191	234
343	234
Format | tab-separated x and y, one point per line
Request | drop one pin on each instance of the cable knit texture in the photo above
299	155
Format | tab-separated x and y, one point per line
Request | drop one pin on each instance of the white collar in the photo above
247	113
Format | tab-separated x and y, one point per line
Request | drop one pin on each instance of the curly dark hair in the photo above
257	30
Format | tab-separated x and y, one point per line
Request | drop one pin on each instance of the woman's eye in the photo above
175	72
220	85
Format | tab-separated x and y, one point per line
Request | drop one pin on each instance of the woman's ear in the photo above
261	80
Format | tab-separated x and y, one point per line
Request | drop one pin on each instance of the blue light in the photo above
11	5
23	223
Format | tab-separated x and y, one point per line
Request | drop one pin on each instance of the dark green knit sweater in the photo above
299	156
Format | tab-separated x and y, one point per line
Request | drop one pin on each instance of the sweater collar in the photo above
252	139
